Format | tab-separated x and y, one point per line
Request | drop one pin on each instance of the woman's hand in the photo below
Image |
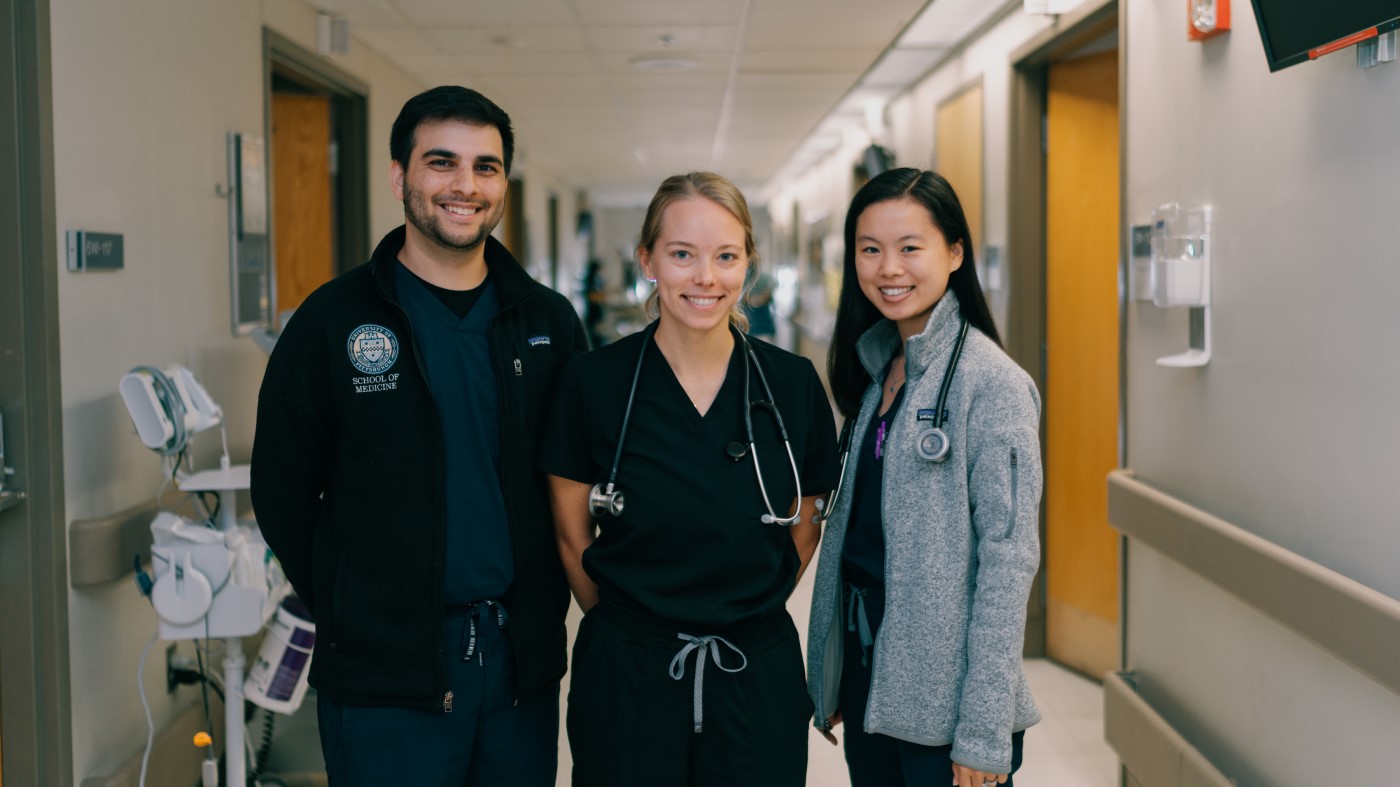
964	776
833	720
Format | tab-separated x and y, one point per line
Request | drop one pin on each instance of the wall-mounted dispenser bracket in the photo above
1181	252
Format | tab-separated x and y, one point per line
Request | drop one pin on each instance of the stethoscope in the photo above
610	500
933	444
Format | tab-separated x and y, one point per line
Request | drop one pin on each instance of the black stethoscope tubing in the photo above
935	434
608	499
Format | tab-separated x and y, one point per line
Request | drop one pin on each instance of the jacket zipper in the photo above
493	337
440	536
1011	516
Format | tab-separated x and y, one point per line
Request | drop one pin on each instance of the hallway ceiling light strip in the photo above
731	87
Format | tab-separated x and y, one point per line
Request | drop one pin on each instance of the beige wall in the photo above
1290	431
143	94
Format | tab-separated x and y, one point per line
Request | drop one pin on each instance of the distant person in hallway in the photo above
919	605
393	476
595	299
687	668
758	305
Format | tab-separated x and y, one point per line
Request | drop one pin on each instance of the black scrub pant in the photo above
631	722
876	760
486	741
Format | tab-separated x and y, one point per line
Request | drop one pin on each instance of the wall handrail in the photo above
1357	624
1147	745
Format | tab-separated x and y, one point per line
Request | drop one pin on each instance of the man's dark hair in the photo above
448	102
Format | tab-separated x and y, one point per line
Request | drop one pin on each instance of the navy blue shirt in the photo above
863	555
480	557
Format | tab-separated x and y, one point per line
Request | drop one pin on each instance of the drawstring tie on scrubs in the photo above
857	619
700	645
473	614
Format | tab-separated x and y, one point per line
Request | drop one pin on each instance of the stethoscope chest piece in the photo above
736	450
933	444
605	501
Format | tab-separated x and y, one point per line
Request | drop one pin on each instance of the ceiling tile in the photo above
648	39
718	63
515	41
842	61
827	25
524	64
833	83
692	82
656	12
431	14
395	40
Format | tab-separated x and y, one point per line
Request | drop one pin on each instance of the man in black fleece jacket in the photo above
393	476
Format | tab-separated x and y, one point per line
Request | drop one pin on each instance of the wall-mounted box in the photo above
1180	262
94	251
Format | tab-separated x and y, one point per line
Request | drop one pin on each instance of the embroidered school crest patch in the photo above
372	348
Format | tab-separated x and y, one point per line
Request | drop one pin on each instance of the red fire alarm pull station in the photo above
1206	18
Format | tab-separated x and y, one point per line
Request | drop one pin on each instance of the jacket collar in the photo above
513	284
879	344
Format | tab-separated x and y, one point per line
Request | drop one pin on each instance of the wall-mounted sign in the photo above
94	251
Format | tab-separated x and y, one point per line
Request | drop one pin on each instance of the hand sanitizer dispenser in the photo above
1181	251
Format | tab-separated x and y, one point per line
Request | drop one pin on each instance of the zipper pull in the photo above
1013	457
447	702
518	370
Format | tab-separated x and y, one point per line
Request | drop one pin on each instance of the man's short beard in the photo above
426	222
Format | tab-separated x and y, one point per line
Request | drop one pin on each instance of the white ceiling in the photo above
766	73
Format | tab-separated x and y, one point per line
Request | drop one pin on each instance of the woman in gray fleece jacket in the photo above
919	610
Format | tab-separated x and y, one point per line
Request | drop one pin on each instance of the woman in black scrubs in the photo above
687	668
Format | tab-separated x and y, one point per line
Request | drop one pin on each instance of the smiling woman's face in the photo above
698	262
903	262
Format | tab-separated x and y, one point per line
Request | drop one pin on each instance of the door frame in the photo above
1025	335
35	694
350	128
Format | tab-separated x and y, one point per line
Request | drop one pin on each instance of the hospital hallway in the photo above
404	247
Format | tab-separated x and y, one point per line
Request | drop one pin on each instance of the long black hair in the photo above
855	313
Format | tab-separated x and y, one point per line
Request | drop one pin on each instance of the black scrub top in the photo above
689	546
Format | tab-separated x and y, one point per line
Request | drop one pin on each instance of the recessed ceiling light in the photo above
663	63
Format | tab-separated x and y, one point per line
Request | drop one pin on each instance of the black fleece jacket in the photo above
348	480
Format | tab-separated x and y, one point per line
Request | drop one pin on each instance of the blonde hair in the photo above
716	189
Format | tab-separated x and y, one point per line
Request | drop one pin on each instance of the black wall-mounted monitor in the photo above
1295	31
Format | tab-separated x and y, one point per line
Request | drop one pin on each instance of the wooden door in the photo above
1081	397
301	186
957	153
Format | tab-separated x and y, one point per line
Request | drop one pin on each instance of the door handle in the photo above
8	497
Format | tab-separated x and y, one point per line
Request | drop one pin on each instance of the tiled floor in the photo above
1066	749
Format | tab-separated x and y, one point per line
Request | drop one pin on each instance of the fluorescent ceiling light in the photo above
663	63
901	67
944	23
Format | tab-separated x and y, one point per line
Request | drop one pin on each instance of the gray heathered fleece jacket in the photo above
961	550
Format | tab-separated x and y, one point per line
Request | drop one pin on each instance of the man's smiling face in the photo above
453	191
